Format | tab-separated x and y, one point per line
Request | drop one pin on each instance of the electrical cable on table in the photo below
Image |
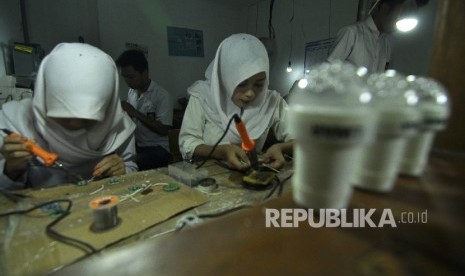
280	184
196	218
52	233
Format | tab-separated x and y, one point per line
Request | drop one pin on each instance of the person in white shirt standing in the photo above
151	108
365	43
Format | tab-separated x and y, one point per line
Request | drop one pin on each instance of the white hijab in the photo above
76	80
238	58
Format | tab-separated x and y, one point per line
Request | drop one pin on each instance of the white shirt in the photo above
362	45
155	102
75	80
197	129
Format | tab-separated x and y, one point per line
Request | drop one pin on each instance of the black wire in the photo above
273	189
216	144
22	212
283	182
279	184
64	239
291	20
180	227
271	32
214	215
70	176
226	166
52	233
329	19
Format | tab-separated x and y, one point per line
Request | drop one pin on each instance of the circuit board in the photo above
259	179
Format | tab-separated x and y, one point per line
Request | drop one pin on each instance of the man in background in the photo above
151	108
365	43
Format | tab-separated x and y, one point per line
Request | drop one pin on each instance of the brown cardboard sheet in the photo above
28	250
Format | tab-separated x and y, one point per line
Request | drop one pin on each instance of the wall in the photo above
10	31
53	21
412	51
109	24
312	20
144	22
320	19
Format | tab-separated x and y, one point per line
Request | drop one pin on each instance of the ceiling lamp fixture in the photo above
289	67
408	18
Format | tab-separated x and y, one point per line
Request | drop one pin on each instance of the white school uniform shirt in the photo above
75	80
210	107
156	101
198	129
362	45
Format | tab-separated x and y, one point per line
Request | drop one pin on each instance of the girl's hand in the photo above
111	165
16	156
274	157
235	157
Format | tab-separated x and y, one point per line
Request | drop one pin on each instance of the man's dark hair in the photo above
389	3
133	58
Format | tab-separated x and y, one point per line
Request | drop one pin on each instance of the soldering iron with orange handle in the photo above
248	145
48	158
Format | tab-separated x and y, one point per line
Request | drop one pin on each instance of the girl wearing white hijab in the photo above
236	83
75	112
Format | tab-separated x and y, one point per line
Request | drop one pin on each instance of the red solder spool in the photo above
105	213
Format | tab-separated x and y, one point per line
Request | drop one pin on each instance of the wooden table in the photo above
241	244
25	248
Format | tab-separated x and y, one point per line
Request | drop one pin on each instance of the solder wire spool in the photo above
105	213
398	116
330	119
207	185
434	106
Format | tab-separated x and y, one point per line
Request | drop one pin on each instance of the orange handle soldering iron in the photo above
47	157
247	143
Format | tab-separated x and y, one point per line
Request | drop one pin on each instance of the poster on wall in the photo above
185	42
317	52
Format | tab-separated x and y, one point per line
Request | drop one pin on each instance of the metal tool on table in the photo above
49	159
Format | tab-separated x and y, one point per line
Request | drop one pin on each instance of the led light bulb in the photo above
434	106
397	119
330	123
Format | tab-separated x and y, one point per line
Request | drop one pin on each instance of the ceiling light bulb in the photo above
406	24
303	83
289	67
